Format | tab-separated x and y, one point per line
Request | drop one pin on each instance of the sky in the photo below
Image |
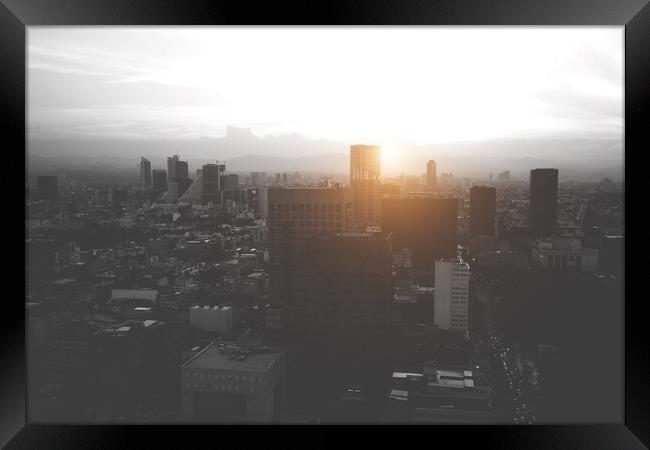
426	85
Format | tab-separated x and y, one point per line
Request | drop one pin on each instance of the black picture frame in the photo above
16	15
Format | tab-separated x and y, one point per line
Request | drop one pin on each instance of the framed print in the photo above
365	215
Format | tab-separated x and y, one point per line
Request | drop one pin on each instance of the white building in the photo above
211	318
451	297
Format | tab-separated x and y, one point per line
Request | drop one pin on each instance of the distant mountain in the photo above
242	151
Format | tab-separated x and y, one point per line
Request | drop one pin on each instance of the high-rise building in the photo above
159	180
343	301
431	176
176	169
145	173
230	187
47	187
542	217
182	170
482	206
211	182
423	223
172	168
365	184
451	296
294	216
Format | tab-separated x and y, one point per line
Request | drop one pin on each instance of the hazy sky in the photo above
425	84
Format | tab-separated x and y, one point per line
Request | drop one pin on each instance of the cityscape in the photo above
196	289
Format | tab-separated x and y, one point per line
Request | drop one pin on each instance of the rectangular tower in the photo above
542	218
482	206
431	176
364	182
451	296
296	215
423	223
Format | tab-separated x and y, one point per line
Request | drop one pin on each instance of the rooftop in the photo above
213	358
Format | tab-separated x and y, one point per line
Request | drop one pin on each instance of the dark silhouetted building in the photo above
364	181
542	217
344	300
211	183
159	180
425	224
294	216
483	202
176	169
145	173
172	168
230	187
47	187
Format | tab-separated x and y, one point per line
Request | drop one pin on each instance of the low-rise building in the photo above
232	382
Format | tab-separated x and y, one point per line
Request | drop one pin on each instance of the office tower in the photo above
344	298
542	217
365	185
425	224
47	187
482	207
159	180
172	167
233	382
145	173
211	183
431	176
230	187
451	296
182	170
294	216
505	175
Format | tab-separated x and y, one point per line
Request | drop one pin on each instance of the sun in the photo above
389	159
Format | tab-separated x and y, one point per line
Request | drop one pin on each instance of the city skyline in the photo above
213	284
393	87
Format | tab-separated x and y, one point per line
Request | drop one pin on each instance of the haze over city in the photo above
322	226
516	97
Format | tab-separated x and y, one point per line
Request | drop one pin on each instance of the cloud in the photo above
424	84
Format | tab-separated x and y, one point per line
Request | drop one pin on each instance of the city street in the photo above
510	387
